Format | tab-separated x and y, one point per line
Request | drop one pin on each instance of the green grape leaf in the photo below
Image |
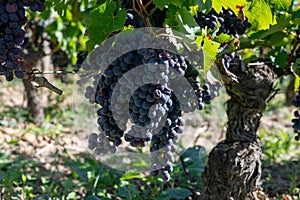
103	21
296	71
182	20
259	14
186	22
170	19
276	38
281	58
175	193
282	4
282	22
210	49
296	14
203	4
162	3
61	6
296	17
218	4
223	38
297	82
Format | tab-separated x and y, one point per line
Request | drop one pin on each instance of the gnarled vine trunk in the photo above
234	166
34	104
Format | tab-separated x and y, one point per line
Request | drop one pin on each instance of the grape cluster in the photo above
228	22
12	19
153	99
296	119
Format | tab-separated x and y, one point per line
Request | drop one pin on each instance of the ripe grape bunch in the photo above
154	102
296	119
228	22
12	19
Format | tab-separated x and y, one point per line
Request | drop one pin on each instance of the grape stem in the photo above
290	60
42	82
149	2
142	12
56	72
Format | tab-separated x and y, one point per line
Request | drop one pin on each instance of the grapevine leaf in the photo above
210	51
282	4
218	4
296	71
61	6
175	193
223	38
282	22
276	38
281	58
103	21
203	4
182	20
186	21
296	14
170	20
161	3
296	17
297	82
259	14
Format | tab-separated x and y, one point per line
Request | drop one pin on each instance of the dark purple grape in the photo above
4	17
11	7
19	74
34	7
41	7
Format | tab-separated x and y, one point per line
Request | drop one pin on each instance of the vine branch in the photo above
290	60
42	82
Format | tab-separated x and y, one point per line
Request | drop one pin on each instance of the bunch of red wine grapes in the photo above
154	107
155	111
12	20
224	22
296	119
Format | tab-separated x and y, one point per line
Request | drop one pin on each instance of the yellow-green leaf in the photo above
282	4
218	4
210	50
259	14
297	82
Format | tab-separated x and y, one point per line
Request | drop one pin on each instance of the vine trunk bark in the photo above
34	104
233	170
